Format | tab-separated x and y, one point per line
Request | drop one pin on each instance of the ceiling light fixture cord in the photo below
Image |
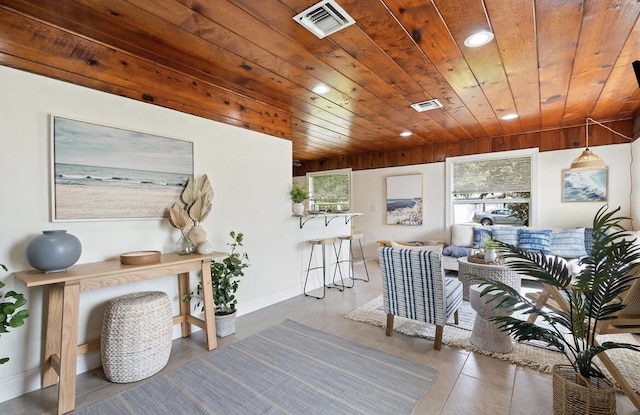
630	163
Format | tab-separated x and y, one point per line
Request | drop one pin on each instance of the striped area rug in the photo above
524	354
286	369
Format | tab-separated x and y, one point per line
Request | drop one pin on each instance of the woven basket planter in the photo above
136	336
573	394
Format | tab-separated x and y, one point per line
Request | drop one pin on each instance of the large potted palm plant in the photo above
593	297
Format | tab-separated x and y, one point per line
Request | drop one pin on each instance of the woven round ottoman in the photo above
136	336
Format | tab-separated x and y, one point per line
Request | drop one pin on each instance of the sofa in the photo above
570	244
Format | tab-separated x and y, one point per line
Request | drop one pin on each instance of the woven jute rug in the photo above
539	358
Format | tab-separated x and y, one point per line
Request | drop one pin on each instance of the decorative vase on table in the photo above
197	235
184	245
490	255
204	248
298	209
53	251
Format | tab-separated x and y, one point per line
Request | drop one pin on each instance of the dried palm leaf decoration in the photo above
198	195
180	218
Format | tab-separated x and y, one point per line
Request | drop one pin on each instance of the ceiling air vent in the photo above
324	18
426	105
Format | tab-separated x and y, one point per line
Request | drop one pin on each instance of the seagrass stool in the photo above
486	334
323	243
136	336
350	238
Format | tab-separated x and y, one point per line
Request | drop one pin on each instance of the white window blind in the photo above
495	175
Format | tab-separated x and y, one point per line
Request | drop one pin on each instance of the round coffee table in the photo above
496	272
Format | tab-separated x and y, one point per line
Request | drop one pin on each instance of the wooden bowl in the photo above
140	257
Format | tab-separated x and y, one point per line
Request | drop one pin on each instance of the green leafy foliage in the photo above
592	297
298	193
10	316
225	277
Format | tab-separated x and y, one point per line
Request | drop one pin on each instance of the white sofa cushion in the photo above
462	235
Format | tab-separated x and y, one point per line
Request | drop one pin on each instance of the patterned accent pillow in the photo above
456	251
538	240
568	243
588	239
479	234
508	235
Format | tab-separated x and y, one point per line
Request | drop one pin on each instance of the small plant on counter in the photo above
10	317
298	194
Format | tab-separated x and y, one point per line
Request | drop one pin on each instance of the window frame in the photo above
533	199
346	171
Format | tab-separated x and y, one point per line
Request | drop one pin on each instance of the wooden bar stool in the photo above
323	243
350	238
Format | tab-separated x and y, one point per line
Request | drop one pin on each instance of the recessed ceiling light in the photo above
509	117
478	39
321	89
406	134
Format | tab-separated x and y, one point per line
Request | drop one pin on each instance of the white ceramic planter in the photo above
298	209
225	325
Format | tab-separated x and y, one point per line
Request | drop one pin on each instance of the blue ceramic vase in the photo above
53	251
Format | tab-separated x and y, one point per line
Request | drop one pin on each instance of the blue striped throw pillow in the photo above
535	240
569	243
478	236
508	235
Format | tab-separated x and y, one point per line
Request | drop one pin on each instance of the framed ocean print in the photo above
404	200
107	173
585	185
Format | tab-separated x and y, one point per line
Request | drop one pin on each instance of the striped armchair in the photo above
414	287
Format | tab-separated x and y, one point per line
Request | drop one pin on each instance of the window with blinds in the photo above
330	191
492	191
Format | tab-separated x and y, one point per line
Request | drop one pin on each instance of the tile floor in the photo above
467	383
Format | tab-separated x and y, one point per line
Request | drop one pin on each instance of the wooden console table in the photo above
61	334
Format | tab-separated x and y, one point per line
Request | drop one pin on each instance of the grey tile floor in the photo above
467	383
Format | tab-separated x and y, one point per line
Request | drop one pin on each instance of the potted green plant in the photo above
10	316
593	297
490	246
225	277
298	195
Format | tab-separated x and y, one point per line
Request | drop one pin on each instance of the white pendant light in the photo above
587	160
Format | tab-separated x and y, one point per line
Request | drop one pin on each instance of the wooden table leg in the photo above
69	348
183	289
207	299
53	336
620	380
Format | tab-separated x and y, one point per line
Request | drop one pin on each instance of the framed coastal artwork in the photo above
107	173
404	200
585	185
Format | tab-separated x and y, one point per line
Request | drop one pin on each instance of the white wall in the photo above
251	177
369	195
635	184
555	214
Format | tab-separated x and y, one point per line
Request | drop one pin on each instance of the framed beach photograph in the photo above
404	200
107	173
585	185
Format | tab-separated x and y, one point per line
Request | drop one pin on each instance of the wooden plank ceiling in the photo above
248	63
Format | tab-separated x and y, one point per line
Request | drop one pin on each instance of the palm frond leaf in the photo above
180	218
594	295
